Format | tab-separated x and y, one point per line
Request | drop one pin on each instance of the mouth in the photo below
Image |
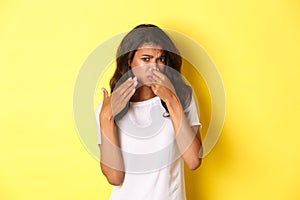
150	77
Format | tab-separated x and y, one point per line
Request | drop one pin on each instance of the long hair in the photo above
148	33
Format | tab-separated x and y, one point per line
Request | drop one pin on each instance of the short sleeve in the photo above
191	114
98	123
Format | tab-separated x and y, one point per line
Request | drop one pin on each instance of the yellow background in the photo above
254	44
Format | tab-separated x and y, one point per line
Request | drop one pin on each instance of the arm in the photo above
111	160
187	137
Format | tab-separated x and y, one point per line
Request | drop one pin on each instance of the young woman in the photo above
148	125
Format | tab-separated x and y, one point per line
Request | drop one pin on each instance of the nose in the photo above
154	63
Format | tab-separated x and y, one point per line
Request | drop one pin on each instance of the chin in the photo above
147	83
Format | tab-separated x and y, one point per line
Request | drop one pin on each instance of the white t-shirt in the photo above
154	169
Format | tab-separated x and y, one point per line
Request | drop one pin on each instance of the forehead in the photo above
149	48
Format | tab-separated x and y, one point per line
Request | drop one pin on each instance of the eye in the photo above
162	59
146	59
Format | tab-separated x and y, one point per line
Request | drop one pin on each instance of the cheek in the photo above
136	63
140	71
137	68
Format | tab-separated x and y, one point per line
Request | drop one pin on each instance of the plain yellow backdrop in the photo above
254	44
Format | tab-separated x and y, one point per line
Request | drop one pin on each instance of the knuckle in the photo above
129	83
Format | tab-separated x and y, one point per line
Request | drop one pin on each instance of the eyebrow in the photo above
147	55
151	56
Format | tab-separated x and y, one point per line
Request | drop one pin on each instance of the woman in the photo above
149	124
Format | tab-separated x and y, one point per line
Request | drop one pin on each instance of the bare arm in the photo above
111	160
187	137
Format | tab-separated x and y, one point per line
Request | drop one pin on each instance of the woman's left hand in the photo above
162	86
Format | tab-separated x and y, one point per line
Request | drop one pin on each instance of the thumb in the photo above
154	89
105	93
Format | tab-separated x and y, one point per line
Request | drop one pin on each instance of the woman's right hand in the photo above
111	160
116	102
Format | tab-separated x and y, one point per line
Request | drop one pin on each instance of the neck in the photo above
143	93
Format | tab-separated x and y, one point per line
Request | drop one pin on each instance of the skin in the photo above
147	65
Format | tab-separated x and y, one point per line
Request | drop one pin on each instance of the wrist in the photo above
107	124
106	117
172	101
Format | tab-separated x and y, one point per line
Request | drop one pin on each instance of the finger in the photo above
130	91
157	79
105	93
160	78
163	80
129	95
154	88
159	74
126	85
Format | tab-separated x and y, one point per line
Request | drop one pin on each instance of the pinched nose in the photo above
153	67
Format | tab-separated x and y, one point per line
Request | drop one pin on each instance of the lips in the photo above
150	77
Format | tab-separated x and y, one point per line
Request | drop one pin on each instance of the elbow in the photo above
113	176
116	180
196	160
195	164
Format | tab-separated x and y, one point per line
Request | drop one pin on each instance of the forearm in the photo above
187	139
111	158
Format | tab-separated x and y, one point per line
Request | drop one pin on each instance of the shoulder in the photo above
191	106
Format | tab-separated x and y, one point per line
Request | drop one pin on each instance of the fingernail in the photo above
129	78
135	78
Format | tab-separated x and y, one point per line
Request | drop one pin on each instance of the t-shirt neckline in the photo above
148	101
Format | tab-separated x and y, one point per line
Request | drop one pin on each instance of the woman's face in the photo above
147	58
